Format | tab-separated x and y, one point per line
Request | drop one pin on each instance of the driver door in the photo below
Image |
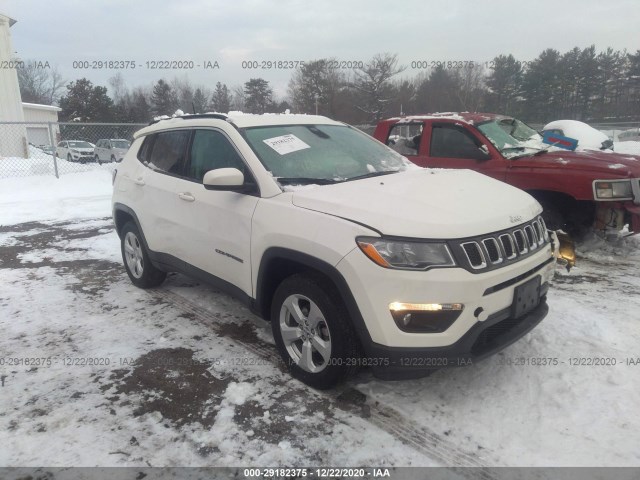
215	225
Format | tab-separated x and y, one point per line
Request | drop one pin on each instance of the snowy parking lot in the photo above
96	372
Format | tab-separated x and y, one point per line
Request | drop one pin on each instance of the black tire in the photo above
97	160
113	159
144	274
68	157
553	218
341	358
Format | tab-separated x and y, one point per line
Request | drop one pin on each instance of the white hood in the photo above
424	203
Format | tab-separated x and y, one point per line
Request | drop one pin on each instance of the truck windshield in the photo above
299	154
512	137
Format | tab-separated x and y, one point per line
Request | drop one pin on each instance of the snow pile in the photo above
588	137
37	198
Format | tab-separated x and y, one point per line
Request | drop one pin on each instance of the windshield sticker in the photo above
286	144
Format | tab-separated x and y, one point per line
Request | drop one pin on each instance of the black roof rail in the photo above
219	116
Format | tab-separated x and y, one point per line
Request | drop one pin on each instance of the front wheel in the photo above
136	259
313	332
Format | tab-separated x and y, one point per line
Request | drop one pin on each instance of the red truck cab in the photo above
577	189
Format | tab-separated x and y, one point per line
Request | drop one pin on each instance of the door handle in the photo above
186	196
139	181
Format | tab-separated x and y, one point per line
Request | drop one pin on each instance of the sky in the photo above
148	34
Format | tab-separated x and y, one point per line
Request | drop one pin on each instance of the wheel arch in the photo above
278	263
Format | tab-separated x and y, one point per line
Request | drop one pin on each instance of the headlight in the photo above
612	190
406	254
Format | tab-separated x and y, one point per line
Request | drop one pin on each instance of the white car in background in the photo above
75	151
587	136
111	149
631	135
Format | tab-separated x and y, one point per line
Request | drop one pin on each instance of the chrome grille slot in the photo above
508	246
531	237
545	230
493	250
521	242
474	254
537	229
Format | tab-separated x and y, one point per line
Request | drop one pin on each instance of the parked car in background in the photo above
355	256
75	151
578	189
631	135
111	149
48	149
587	136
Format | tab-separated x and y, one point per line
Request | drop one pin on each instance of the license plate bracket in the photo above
526	297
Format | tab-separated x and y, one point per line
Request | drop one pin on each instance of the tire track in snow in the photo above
388	419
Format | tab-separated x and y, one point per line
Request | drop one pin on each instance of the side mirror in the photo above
224	179
483	153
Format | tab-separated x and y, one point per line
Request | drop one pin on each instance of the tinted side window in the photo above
145	149
211	150
168	151
453	142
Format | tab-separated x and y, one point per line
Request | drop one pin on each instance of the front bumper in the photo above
483	340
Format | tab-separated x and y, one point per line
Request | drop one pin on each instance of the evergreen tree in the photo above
200	101
504	85
258	95
221	99
86	102
163	99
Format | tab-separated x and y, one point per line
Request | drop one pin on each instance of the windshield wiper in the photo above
516	149
372	174
305	181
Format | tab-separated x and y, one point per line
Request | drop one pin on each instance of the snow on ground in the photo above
45	197
185	375
630	147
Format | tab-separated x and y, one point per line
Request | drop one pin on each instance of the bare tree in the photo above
38	84
373	84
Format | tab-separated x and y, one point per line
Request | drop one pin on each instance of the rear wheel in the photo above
136	259
313	332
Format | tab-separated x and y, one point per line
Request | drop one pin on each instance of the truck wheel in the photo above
552	217
312	331
136	259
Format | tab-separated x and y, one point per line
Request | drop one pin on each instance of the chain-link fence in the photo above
59	148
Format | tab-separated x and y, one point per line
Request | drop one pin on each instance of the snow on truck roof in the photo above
239	119
466	117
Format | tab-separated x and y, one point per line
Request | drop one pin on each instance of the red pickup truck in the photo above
577	189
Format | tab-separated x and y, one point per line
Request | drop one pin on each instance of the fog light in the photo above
425	317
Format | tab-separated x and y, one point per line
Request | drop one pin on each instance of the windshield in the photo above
512	137
298	154
80	145
120	144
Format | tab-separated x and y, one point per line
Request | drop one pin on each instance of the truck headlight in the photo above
409	255
612	190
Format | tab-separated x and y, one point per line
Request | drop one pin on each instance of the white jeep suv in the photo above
356	256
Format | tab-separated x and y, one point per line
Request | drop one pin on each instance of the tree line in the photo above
580	84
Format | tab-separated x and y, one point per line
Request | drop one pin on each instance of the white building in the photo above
13	138
38	133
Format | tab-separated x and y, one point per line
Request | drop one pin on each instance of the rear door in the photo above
162	162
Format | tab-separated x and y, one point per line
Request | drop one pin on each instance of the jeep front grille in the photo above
501	248
474	254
